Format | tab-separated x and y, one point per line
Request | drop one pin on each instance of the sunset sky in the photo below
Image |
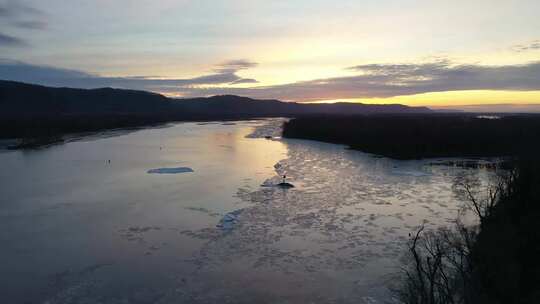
424	52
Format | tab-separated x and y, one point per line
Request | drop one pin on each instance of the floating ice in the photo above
271	129
229	217
268	183
349	215
229	220
170	170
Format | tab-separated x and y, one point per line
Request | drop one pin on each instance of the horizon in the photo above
471	108
368	52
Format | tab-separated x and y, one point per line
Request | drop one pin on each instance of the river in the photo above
90	222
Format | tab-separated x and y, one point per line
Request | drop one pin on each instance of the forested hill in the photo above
34	100
20	99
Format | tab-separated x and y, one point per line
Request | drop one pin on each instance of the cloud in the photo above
18	15
494	108
233	66
389	80
14	9
6	40
244	81
58	77
531	46
371	80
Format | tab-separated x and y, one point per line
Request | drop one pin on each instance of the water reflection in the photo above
66	208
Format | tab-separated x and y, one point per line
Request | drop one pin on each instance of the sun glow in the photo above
454	98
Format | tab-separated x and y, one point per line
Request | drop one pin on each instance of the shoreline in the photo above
36	141
422	136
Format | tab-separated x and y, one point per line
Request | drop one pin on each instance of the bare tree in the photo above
440	266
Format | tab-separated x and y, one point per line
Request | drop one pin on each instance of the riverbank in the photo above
422	136
28	134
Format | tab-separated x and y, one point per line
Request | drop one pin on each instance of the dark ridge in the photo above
422	136
28	110
22	99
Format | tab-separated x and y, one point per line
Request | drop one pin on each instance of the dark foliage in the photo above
506	254
493	263
423	135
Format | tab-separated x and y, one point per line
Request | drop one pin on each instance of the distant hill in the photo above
230	104
32	111
33	100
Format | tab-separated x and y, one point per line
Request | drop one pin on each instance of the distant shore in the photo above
31	133
40	114
418	136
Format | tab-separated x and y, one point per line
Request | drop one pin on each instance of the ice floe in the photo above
170	170
229	220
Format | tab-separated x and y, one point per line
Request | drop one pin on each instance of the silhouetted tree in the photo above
496	261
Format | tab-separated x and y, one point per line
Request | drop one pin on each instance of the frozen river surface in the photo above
188	214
